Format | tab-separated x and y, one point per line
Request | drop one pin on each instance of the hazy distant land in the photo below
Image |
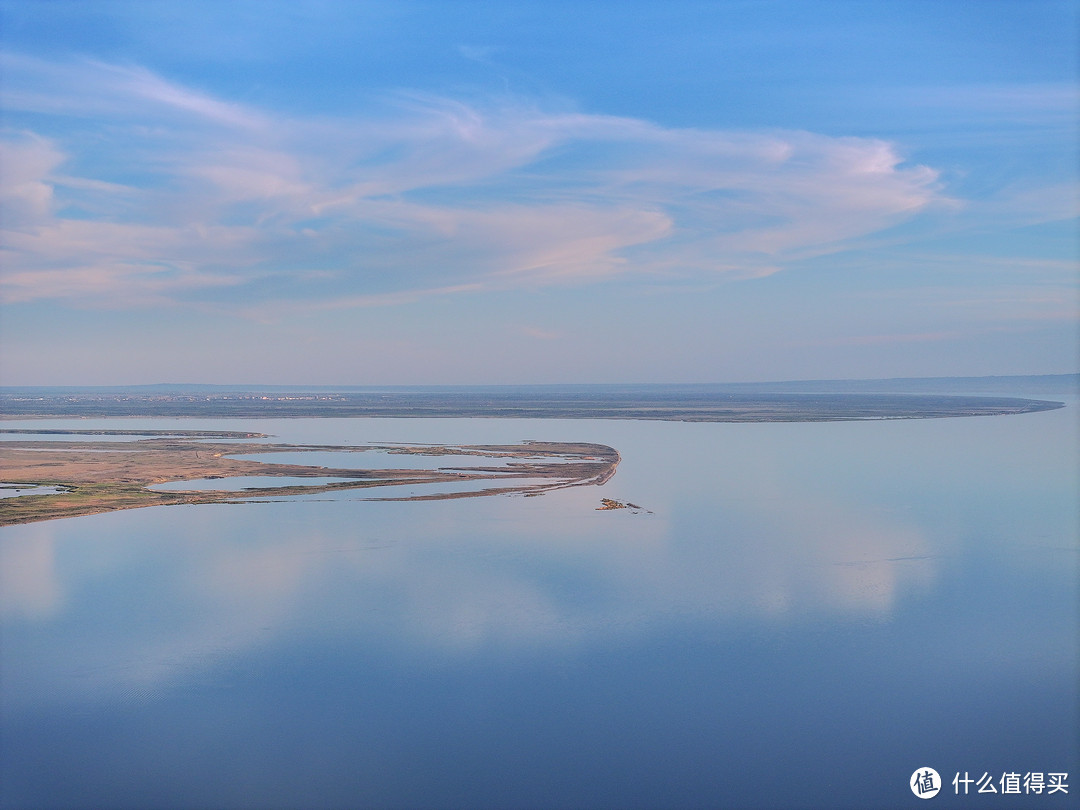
805	401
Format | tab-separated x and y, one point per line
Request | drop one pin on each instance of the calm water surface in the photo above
809	613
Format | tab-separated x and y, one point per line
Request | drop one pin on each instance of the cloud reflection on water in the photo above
29	584
452	578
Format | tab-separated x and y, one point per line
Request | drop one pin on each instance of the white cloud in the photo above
25	160
143	85
92	88
1018	103
199	196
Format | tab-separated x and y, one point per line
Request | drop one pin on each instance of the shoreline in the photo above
655	406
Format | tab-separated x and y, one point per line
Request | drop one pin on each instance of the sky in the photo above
396	192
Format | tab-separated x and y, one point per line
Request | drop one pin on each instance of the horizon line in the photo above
353	386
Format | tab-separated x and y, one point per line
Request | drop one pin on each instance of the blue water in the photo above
19	490
809	613
381	460
237	483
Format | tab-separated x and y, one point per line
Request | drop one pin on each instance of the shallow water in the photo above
381	460
236	483
253	483
19	490
809	613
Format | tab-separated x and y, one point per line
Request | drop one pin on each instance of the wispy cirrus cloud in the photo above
91	88
125	187
1019	104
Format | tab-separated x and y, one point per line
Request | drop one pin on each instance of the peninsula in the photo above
88	476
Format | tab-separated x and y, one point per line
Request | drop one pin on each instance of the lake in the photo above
805	615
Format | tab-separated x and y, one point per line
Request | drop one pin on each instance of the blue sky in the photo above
524	192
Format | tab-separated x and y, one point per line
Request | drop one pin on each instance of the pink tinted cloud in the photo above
431	194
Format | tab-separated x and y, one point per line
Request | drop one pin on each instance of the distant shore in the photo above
649	403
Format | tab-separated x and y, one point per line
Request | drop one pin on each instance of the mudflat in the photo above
102	476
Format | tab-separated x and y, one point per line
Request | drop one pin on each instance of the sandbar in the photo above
95	476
